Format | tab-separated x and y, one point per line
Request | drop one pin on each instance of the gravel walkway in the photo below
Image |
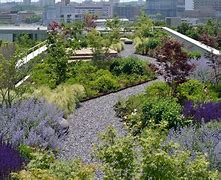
95	116
92	118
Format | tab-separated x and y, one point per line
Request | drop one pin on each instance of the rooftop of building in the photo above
23	27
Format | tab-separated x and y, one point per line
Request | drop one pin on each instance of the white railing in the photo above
31	54
193	41
34	51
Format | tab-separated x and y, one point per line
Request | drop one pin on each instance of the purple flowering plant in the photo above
205	112
32	122
10	159
201	139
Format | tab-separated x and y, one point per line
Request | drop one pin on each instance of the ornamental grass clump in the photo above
10	159
65	97
32	122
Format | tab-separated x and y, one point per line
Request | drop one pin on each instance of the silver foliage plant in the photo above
203	139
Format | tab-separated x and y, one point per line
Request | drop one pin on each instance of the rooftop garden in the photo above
173	128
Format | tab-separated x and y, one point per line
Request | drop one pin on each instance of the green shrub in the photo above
128	66
152	43
158	90
43	165
105	82
42	76
157	110
64	96
194	90
126	107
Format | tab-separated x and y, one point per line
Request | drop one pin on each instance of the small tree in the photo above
114	27
99	45
8	74
175	65
89	21
143	27
57	59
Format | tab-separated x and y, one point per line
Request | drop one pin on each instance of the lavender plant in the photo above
203	139
32	122
204	112
10	159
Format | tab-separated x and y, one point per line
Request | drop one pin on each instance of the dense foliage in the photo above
113	75
162	109
208	34
32	122
146	157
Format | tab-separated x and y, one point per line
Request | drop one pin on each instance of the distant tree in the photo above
33	19
99	45
89	21
24	41
143	28
57	59
114	27
183	28
143	25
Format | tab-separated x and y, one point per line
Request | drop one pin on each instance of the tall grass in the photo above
64	97
118	47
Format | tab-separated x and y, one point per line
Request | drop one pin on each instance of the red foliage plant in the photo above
205	38
175	65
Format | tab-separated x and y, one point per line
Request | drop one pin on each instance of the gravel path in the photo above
95	116
92	118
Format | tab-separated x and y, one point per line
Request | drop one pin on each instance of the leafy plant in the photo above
10	159
128	66
166	109
32	122
193	90
158	90
105	83
43	165
146	157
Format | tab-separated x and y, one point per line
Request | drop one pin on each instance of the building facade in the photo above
62	12
47	2
165	8
27	2
125	10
